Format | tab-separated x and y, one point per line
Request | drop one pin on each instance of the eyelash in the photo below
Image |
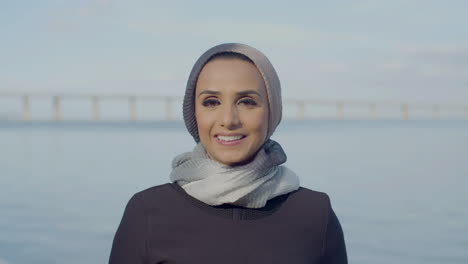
249	102
210	102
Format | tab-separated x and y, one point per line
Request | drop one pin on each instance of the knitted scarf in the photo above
249	185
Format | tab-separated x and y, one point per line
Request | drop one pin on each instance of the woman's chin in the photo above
233	160
230	162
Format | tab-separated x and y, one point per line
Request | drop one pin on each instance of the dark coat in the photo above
164	224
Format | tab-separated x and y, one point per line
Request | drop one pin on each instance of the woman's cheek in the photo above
259	118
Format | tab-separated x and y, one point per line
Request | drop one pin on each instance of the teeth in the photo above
226	138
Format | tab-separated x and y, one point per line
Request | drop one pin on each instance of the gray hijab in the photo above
250	185
272	84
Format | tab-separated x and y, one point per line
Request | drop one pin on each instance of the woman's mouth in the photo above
229	140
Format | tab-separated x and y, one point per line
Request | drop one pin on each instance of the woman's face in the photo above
231	108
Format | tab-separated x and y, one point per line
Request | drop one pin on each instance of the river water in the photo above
398	187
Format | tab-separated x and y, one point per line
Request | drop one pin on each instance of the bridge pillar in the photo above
56	108
132	108
300	110
26	108
168	108
95	102
435	112
373	110
405	111
340	110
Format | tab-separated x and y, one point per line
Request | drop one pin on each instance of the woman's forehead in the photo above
230	74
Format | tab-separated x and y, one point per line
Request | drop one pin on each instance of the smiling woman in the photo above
231	109
230	200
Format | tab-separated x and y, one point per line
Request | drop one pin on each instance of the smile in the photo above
229	140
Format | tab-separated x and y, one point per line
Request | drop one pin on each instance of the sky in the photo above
399	50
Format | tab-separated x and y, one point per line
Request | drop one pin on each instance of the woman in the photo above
230	200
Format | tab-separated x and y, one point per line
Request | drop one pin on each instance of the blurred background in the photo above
375	114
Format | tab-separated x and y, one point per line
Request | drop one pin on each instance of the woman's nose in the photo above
230	117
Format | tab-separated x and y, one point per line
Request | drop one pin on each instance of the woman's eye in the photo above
248	102
210	102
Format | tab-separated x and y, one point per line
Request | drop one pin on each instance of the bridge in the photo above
299	109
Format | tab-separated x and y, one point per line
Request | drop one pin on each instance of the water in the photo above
398	187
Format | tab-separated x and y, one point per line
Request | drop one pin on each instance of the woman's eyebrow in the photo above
241	93
248	92
208	92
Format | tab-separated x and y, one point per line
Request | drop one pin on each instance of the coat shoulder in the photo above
309	196
160	192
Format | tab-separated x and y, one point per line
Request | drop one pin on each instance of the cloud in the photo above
2	261
61	26
104	3
434	61
444	55
74	18
235	30
417	73
93	7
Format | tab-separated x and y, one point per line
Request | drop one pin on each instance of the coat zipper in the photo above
236	213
